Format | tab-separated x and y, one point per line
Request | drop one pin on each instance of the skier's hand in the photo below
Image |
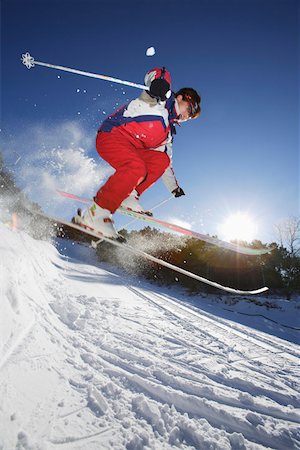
178	192
160	89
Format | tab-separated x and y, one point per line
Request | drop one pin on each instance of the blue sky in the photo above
241	55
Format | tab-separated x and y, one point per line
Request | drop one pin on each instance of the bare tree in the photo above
289	235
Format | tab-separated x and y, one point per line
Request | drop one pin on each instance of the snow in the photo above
92	358
150	51
56	166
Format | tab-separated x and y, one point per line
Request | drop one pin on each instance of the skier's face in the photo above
184	108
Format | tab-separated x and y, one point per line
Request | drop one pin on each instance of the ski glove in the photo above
178	192
160	89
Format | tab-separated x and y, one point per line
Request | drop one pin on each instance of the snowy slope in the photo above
91	359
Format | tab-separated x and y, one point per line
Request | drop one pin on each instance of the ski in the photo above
177	228
61	225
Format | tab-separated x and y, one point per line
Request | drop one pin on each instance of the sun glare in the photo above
239	227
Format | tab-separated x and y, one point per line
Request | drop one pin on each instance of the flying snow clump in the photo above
150	51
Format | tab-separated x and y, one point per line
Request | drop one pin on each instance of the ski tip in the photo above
250	251
259	291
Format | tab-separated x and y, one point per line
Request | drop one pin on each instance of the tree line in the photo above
279	269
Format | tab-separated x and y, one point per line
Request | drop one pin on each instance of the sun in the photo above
238	227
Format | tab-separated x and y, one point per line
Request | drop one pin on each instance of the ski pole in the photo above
30	62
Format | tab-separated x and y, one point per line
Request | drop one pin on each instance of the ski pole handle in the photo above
30	62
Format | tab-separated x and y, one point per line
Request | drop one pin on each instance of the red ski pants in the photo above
135	169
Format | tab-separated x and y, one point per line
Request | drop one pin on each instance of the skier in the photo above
137	142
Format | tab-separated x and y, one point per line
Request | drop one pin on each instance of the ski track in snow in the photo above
105	362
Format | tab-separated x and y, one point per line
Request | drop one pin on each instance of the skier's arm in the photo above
169	176
169	179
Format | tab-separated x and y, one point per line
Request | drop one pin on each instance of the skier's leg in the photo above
156	163
130	170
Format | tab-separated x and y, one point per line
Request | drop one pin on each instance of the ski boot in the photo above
99	220
132	203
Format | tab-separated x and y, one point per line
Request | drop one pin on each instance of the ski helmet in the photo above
193	98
